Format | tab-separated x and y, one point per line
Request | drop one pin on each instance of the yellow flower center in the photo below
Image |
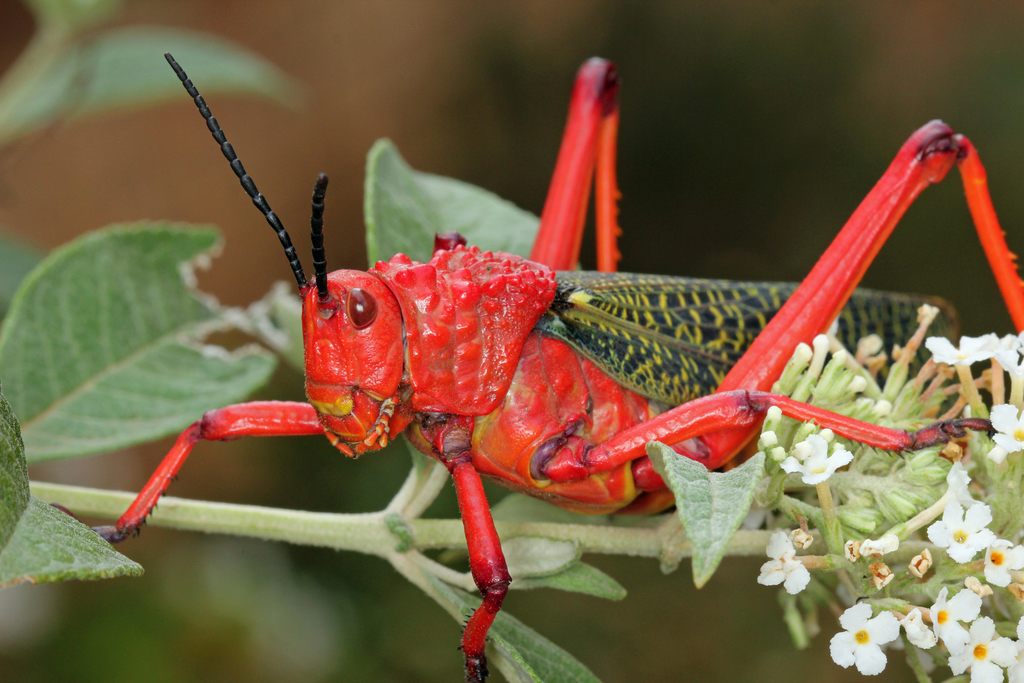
996	558
862	637
960	536
980	651
942	618
820	470
1019	434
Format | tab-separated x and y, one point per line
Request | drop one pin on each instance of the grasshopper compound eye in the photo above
362	307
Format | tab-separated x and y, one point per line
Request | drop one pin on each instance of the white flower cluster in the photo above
978	649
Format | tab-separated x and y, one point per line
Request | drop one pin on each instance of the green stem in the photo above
368	532
914	661
832	532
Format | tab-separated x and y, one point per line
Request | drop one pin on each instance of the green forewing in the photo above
673	339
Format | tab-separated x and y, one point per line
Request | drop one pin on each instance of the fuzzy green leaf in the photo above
538	659
14	494
537	556
16	261
125	67
39	543
578	577
50	546
97	351
711	505
405	208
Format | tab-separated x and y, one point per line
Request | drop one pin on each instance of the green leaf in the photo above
578	577
539	659
538	556
711	505
405	208
75	14
50	546
125	67
39	543
14	495
99	349
16	261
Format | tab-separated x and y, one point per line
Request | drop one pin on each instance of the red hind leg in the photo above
742	410
588	143
924	159
259	418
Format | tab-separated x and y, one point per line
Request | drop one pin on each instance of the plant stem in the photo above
367	532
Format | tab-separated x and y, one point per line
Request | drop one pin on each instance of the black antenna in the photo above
247	184
316	224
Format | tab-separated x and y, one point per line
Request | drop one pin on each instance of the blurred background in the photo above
750	131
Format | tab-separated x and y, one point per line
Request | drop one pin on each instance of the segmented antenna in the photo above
247	184
316	224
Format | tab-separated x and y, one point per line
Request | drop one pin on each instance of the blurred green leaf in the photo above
711	505
125	67
578	577
405	208
74	14
38	542
14	495
16	261
96	352
540	659
538	556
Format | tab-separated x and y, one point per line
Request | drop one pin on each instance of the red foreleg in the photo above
486	562
450	436
588	142
259	418
744	410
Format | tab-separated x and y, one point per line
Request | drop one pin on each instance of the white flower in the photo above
917	633
1010	342
886	544
958	479
984	654
963	536
947	615
1009	428
783	566
861	642
1000	559
1010	361
1015	674
972	349
817	465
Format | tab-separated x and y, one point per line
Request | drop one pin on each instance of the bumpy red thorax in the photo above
466	315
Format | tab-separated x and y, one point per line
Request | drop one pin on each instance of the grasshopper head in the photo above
354	357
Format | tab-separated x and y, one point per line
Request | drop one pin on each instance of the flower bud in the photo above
881	575
952	452
860	520
981	589
857	385
1017	591
899	505
767	440
883	408
851	550
926	468
801	539
779	454
920	565
886	544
